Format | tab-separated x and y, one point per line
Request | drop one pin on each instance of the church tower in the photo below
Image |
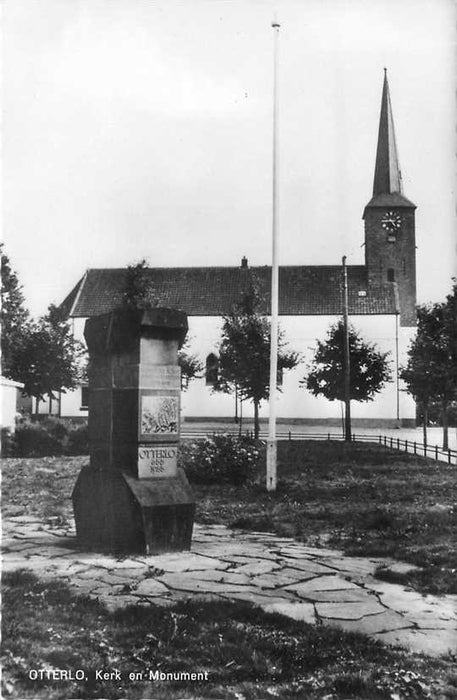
390	241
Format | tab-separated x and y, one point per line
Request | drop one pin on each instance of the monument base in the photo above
116	513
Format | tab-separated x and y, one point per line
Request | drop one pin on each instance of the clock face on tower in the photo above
391	221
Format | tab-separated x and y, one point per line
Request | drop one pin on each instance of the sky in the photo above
143	129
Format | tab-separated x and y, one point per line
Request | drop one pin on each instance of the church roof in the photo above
212	291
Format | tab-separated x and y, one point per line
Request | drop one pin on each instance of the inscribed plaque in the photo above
157	461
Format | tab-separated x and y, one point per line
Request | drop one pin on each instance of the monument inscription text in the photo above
157	461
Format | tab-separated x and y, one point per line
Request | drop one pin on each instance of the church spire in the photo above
387	176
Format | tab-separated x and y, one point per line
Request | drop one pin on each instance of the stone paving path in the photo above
314	585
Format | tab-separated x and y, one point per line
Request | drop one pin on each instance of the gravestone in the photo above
132	497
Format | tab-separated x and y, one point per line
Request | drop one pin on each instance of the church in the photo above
381	294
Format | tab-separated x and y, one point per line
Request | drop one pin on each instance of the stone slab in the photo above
257	566
186	561
322	583
386	621
433	644
349	611
277	579
304	612
307	565
346	595
150	587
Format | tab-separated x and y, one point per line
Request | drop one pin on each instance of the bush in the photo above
45	438
220	459
78	440
37	439
8	443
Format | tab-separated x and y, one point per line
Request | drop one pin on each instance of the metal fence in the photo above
409	446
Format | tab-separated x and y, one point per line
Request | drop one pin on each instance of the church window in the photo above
212	369
391	275
279	376
84	397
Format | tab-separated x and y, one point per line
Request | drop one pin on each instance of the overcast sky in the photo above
140	129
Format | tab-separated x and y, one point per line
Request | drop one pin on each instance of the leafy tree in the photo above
431	371
191	367
244	352
48	359
139	289
15	316
369	368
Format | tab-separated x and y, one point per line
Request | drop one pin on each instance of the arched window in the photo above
212	369
391	275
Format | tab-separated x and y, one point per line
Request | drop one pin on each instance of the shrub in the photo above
8	443
78	440
221	458
47	437
36	439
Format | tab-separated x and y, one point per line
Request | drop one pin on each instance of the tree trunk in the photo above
445	425
256	420
424	424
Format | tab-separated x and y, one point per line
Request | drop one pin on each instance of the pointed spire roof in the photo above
387	184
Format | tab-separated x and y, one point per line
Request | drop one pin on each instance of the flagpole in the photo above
271	477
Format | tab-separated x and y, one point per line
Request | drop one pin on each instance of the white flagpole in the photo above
271	444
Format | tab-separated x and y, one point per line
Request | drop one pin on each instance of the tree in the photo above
48	360
15	316
191	367
431	371
244	352
369	368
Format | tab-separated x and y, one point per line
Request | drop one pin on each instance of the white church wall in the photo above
294	402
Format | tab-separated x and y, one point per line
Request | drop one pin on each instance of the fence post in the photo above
449	456
398	443
290	435
406	445
385	440
391	443
328	436
436	453
415	447
425	450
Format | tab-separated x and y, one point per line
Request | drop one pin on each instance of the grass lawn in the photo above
363	498
248	654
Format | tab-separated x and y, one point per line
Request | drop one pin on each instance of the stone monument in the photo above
132	497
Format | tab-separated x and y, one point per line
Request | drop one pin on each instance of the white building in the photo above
382	300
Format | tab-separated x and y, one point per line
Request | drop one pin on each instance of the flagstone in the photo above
322	583
149	587
187	562
349	611
257	597
386	621
426	642
346	595
297	611
257	566
277	579
357	565
307	565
